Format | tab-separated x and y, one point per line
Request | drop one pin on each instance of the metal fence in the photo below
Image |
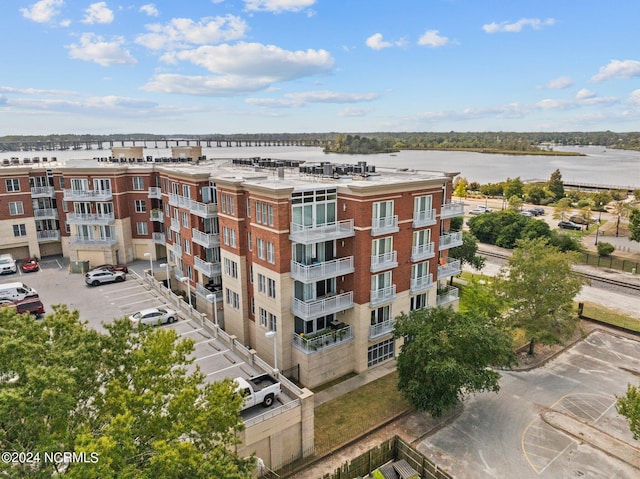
613	262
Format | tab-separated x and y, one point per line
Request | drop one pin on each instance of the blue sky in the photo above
249	66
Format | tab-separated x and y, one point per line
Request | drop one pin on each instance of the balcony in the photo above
90	219
210	296
450	268
204	210
159	238
155	193
175	225
450	210
84	241
384	295
422	251
323	270
446	295
421	284
177	249
208	240
450	240
48	235
87	195
45	213
322	340
381	226
43	192
325	232
384	261
380	329
424	218
206	267
156	215
323	306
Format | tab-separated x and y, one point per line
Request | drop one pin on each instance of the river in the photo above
599	165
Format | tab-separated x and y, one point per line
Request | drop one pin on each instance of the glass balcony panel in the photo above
156	215
45	213
175	225
42	192
206	267
424	218
84	241
87	195
447	295
90	218
159	238
384	261
323	306
380	329
325	232
450	240
422	252
450	268
155	192
380	226
449	210
384	295
48	235
208	240
322	340
422	283
322	270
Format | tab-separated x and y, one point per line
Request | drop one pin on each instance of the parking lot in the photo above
100	305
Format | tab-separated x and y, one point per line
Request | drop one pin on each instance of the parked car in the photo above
569	225
101	276
32	306
581	220
7	264
154	317
16	291
528	214
536	211
478	210
261	389
29	265
111	267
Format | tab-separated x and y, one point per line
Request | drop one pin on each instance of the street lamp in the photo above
150	262
599	217
272	335
185	279
166	265
212	297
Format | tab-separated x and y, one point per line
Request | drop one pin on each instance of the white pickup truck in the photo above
261	389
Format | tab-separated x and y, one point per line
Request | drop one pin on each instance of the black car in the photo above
537	211
569	225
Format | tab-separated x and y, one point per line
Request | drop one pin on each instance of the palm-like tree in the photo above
621	209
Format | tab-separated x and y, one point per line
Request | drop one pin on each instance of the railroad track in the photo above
592	277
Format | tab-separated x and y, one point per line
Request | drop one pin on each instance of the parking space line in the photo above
225	369
129	295
210	355
557	456
194	331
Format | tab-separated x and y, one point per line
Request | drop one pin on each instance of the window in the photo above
271	288
383	209
185	191
263	317
264	213
141	206
232	298
272	322
187	246
189	270
314	208
380	352
262	283
260	244
62	183
185	219
142	229
228	204
16	208
138	183
13	184
229	236
248	208
422	204
19	230
421	238
313	325
249	241
380	315
381	281
420	270
230	268
419	301
271	253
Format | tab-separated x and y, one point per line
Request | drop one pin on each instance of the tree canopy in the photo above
124	395
555	185
629	407
634	225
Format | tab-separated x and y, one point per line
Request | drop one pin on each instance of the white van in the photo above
16	291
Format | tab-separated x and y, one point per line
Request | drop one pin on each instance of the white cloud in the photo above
558	83
634	97
299	99
98	13
376	42
43	11
618	69
150	9
223	85
277	6
583	94
93	48
431	38
534	23
354	112
180	32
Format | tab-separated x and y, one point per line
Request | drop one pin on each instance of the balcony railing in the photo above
206	267
380	226
325	232
422	251
177	249
155	192
159	238
322	270
424	218
156	215
48	235
383	295
380	329
450	268
384	261
175	225
204	210
422	283
45	213
42	192
90	218
210	296
447	295
322	340
87	195
84	241
323	306
450	240
449	210
208	240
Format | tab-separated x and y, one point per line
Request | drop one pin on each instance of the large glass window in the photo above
314	253
380	352
422	204
381	281
314	208
381	246
419	270
380	315
383	209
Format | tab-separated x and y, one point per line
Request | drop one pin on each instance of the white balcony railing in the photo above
449	210
380	329
383	295
424	218
384	261
156	215
325	232
380	226
447	295
159	238
210	296
422	251
450	240
90	218
208	240
87	195
42	192
323	270
323	306
422	283
155	192
85	241
48	235
177	249
208	268
450	268
323	340
175	225
204	210
45	213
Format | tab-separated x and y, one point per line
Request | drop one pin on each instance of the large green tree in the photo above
467	252
125	395
629	407
555	185
539	286
634	225
447	355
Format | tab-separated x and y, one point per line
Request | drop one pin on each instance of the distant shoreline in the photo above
494	151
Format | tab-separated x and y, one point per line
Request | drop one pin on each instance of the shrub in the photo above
605	249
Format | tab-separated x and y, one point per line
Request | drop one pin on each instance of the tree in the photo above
461	188
446	355
563	206
515	203
539	286
513	187
629	407
605	249
555	185
124	395
621	209
634	225
466	252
